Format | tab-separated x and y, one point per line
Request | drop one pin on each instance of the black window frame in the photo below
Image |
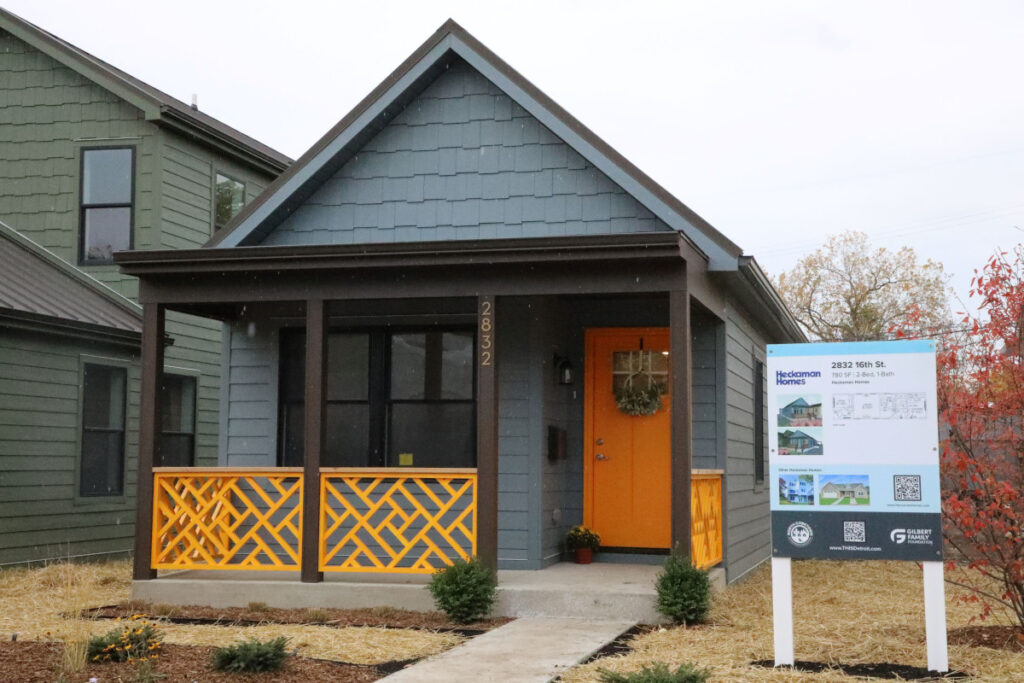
379	387
195	417
83	429
213	209
83	207
759	417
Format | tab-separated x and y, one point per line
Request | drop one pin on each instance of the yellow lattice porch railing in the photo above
396	520
227	518
706	517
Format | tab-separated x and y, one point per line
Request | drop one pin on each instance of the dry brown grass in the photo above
36	604
845	612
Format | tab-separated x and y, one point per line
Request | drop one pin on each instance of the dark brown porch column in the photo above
316	394
682	412
486	434
150	414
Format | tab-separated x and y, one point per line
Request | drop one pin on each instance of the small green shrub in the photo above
251	656
582	537
464	591
138	640
684	592
658	672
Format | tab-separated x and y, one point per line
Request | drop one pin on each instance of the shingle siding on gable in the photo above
463	161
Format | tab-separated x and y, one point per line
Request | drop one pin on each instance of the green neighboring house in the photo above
94	161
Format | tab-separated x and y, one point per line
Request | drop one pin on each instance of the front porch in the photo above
603	590
383	418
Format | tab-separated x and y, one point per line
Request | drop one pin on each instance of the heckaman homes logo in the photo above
794	376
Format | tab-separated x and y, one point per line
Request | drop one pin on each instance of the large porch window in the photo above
394	399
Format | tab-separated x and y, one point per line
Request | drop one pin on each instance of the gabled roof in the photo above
38	289
448	43
799	402
157	105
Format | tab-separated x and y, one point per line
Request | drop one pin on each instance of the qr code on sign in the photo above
854	532
906	487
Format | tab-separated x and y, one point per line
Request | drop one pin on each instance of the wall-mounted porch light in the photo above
563	370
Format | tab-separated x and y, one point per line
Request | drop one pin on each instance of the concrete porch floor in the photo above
601	590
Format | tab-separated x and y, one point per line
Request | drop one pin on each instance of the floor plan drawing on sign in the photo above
887	406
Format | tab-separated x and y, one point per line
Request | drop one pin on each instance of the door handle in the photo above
602	456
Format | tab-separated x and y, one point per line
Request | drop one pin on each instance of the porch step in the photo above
594	591
531	650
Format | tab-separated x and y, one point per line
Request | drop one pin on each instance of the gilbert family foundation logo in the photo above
911	536
795	377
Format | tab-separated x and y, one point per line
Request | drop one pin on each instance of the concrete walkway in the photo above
529	650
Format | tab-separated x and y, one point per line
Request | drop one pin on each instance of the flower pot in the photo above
583	555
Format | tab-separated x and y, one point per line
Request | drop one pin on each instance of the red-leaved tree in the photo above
981	412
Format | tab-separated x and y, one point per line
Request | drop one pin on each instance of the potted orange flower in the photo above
583	542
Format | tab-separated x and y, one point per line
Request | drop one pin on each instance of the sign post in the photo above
854	464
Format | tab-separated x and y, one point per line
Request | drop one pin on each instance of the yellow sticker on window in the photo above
405	459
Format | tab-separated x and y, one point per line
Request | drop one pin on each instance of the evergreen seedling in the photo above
465	591
658	673
251	656
684	592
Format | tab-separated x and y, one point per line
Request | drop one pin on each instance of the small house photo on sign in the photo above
844	489
800	441
796	489
799	410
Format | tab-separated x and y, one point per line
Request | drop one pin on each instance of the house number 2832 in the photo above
486	332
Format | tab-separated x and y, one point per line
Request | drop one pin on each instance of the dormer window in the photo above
229	198
107	203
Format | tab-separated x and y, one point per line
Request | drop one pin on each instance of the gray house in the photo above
94	161
442	323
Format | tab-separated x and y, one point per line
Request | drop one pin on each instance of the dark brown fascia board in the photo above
44	324
649	245
155	105
450	27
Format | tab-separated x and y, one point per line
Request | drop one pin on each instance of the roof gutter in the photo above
182	123
761	286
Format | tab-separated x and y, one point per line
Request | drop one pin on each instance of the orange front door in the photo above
626	467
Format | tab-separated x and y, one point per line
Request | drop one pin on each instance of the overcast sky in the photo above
779	122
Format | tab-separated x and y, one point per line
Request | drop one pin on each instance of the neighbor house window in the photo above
394	399
229	197
107	203
758	421
103	407
178	435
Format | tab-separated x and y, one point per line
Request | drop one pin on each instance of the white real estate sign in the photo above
854	459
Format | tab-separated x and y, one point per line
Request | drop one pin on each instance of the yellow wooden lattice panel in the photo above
226	520
706	520
382	521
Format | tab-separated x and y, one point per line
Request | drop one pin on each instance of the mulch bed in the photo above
621	645
993	637
900	672
31	661
339	618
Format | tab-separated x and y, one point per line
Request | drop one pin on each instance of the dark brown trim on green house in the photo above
150	417
487	431
44	324
681	429
155	104
315	426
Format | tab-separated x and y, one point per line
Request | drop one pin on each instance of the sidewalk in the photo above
528	650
